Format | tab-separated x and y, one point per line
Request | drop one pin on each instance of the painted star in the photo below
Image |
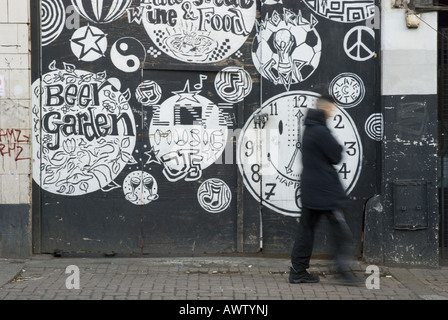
90	42
187	94
152	156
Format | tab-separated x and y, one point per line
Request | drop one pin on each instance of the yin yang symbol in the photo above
128	54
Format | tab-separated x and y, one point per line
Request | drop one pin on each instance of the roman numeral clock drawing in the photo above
270	150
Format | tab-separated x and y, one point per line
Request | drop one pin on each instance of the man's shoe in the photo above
347	278
302	277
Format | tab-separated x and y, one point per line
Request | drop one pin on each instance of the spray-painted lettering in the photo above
10	140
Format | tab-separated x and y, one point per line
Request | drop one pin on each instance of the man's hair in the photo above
324	100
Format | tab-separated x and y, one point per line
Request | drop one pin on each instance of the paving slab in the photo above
207	278
9	269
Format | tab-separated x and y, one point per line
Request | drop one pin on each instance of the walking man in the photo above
322	195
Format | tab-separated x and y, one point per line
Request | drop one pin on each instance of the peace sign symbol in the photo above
355	43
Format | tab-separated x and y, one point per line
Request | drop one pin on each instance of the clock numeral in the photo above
300	102
271	192
256	173
298	198
344	170
351	148
338	125
274	111
259	125
250	148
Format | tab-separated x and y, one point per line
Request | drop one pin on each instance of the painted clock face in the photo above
270	153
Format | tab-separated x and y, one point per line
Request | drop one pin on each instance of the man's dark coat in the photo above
321	188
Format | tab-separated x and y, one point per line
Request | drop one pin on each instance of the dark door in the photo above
190	142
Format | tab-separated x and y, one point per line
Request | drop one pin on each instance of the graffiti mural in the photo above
128	54
196	31
359	43
52	19
84	131
374	126
214	195
188	133
140	188
89	43
342	10
96	12
233	84
271	153
287	48
12	142
179	122
148	93
347	89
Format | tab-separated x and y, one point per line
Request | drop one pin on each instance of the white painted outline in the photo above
222	207
118	59
52	20
358	43
372	123
342	16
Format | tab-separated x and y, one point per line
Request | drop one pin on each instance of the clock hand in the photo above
298	148
293	158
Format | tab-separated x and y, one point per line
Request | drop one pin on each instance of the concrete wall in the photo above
15	125
409	56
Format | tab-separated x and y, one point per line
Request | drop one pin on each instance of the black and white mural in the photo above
84	130
271	154
172	123
198	31
188	133
287	47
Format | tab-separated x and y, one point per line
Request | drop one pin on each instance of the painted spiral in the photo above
374	126
52	20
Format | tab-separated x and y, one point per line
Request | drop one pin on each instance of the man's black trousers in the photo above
340	234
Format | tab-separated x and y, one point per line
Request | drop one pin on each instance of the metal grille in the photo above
443	139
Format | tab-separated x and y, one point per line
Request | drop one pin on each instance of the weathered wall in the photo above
170	216
15	149
405	220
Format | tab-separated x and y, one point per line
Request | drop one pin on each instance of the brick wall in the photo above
15	150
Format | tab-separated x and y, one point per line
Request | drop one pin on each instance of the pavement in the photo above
197	279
